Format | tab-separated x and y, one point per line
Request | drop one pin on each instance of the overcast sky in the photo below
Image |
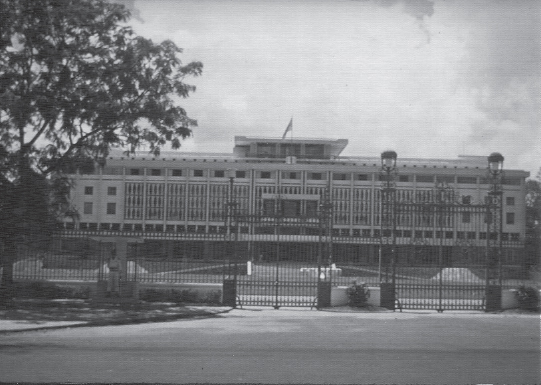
426	79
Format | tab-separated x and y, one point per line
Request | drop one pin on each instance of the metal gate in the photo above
438	250
285	254
278	284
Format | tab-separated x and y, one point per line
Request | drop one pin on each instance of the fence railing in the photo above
153	270
94	268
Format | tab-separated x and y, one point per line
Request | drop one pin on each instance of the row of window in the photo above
297	175
509	218
88	208
112	191
289	208
296	230
89	190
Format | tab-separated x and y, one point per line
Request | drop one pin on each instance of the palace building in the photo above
272	190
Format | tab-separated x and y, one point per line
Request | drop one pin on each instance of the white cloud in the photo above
425	79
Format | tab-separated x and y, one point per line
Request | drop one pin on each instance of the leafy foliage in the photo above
358	294
528	298
75	81
533	220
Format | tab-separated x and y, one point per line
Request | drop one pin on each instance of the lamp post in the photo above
232	230
388	227
278	212
325	238
230	285
494	231
442	199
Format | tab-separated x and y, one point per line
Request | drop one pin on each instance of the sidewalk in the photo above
36	314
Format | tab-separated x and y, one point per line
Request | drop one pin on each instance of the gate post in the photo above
493	297
229	297
387	295
323	294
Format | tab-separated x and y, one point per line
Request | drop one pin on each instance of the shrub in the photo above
528	298
358	294
179	296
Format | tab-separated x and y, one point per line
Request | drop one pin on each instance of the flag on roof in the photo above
289	128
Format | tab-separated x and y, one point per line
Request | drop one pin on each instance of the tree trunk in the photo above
9	254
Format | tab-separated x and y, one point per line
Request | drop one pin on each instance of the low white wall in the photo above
509	299
339	296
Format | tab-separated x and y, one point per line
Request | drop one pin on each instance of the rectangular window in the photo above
135	171
198	173
290	149
466	217
425	178
445	179
403	178
340	176
311	208
266	150
291	208
219	173
111	208
314	151
362	177
112	171
471	234
89	190
512	181
155	172
510	218
290	175
87	209
176	172
510	201
111	190
268	207
466	179
240	174
315	176
265	175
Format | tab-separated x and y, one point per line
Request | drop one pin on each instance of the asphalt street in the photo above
286	346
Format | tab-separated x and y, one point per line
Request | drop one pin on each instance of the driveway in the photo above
286	346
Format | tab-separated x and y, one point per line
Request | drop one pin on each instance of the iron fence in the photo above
58	267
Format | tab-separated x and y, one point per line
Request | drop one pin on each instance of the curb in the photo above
119	322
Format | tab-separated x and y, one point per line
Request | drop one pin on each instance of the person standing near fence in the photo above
113	284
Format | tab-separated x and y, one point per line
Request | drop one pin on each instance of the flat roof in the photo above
336	146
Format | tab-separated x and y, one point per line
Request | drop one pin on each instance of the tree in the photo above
75	81
533	220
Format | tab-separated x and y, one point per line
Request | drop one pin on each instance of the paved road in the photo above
285	345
